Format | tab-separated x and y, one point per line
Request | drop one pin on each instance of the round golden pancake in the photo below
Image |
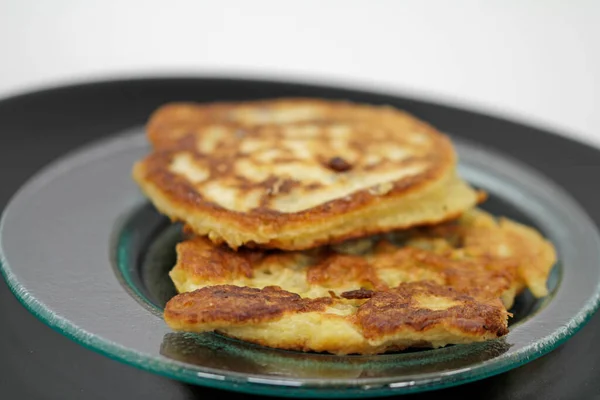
294	174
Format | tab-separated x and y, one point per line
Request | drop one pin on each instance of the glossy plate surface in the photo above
83	250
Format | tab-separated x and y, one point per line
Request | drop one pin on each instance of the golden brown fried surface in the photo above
422	314
238	305
434	286
480	236
477	251
331	226
422	306
173	122
295	174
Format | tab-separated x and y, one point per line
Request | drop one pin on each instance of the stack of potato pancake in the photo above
331	226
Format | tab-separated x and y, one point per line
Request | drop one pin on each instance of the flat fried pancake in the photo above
477	251
296	174
419	314
169	124
487	260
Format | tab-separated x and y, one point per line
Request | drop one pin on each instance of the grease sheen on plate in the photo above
82	211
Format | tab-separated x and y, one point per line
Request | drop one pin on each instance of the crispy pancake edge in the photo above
262	227
388	321
327	223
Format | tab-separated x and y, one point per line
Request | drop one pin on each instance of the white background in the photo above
534	60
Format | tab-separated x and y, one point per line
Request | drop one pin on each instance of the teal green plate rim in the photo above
289	388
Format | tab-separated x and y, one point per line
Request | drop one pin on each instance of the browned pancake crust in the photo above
342	269
172	122
210	264
476	252
384	313
206	261
425	287
217	140
397	309
478	236
155	169
238	305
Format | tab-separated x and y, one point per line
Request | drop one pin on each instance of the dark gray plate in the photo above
84	251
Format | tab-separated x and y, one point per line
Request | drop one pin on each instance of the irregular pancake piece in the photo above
477	236
475	254
420	314
293	175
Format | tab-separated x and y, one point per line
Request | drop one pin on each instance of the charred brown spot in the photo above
358	294
338	164
188	231
276	186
